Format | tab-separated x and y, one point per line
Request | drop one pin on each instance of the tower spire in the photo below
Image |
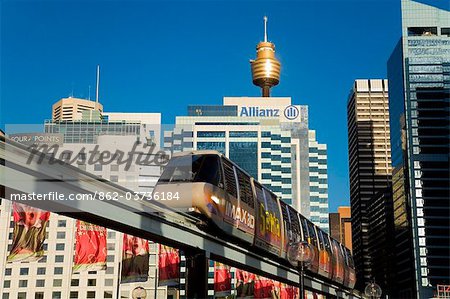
265	29
266	67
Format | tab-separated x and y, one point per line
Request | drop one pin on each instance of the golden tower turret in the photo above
266	67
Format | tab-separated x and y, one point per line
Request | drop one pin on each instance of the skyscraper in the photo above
419	85
369	162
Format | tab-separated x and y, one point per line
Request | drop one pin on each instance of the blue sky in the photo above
163	56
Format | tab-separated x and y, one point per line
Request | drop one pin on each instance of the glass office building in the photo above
267	138
419	88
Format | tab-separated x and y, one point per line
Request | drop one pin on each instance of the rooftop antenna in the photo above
98	82
71	93
265	29
89	93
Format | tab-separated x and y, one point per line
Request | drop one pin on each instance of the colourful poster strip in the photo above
90	247
135	259
28	234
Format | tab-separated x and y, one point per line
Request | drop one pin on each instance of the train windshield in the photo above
193	168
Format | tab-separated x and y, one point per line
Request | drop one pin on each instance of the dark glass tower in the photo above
369	152
419	88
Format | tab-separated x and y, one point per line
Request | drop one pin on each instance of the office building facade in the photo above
341	226
381	241
419	85
369	162
269	138
72	108
51	276
318	182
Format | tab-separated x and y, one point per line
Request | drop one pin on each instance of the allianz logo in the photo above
290	112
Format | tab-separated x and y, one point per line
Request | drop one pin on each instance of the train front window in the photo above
195	168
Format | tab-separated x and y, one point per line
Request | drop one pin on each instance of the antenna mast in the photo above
265	29
98	82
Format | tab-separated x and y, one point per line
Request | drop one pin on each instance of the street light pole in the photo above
302	280
300	254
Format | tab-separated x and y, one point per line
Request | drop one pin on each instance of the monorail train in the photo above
214	188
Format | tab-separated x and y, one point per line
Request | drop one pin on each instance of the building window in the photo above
8	271
92	282
62	223
107	294
110	258
114	178
75	282
58	270
243	134
39	295
61	235
23	271
73	295
90	294
7	283
114	167
109	270
43	259
22	295
56	295
92	272
59	258
210	134
40	283
40	271
60	246
5	296
57	282
111	235
98	167
111	246
23	283
109	282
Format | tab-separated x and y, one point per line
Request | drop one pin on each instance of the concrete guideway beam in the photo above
151	220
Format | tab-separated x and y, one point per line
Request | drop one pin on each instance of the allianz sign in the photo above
290	112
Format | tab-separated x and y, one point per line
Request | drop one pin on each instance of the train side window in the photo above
245	188
286	216
336	251
295	224
345	254
351	263
209	171
230	180
326	241
312	233
321	242
305	229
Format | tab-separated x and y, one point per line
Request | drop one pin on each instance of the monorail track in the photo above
151	220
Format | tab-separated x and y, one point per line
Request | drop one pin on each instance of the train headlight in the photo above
215	199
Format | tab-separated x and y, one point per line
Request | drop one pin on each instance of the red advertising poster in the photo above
245	284
169	266
264	288
135	259
285	291
90	247
28	234
222	280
